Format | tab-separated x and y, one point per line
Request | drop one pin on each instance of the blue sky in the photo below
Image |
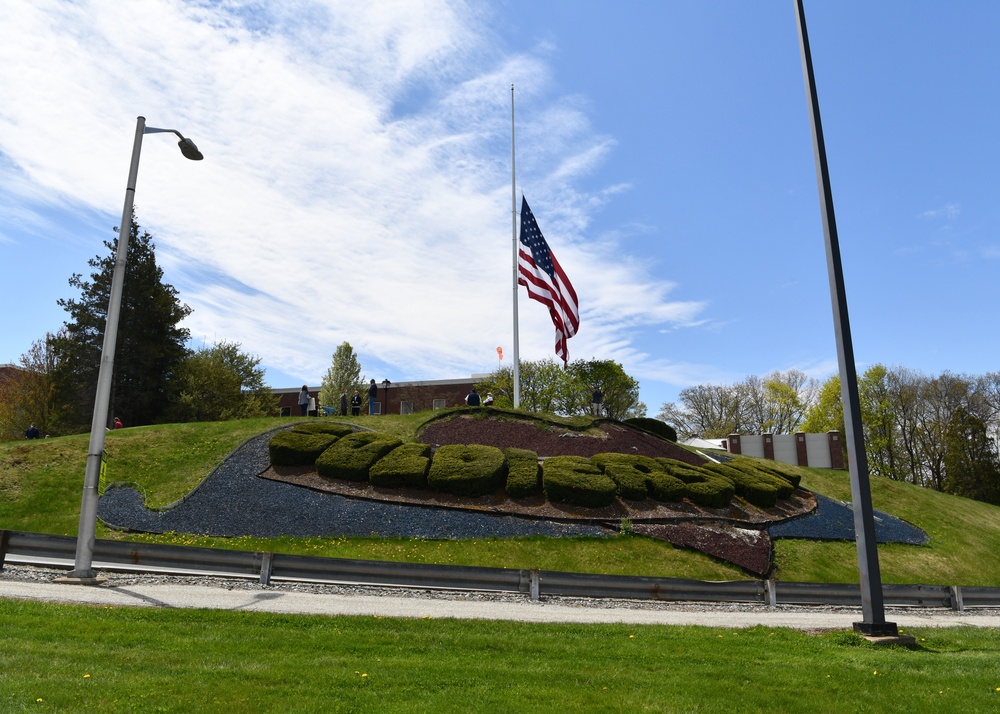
356	181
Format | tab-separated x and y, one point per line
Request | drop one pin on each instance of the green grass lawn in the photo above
79	658
41	483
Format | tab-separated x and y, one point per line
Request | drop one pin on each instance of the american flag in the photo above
539	271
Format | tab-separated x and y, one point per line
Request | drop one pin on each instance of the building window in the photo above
406	407
439	404
286	411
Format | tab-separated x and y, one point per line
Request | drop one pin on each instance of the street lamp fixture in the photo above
83	571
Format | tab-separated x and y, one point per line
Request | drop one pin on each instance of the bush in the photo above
752	488
352	456
289	448
629	472
462	470
576	481
654	426
321	427
703	488
792	474
405	465
522	472
756	467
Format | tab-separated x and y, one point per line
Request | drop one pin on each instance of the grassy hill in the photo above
41	484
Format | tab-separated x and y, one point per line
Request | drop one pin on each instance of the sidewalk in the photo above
260	599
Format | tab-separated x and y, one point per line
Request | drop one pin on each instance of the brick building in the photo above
398	398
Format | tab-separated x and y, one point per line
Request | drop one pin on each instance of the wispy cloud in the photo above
949	211
356	177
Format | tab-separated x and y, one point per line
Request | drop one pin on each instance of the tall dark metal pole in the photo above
872	606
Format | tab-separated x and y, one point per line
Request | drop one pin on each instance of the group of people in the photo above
474	400
307	402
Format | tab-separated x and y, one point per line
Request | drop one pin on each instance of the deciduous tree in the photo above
344	373
218	383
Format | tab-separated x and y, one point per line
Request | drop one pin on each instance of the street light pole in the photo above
83	565
872	606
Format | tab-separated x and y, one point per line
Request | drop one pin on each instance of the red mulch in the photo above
749	549
549	440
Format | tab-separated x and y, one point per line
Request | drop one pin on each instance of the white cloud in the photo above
356	177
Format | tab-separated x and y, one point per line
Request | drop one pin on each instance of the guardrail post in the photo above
956	598
4	540
535	586
265	569
771	592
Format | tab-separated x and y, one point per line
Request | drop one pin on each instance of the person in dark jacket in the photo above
472	398
372	396
356	403
32	433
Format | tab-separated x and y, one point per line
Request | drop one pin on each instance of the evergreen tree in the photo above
149	348
218	383
344	373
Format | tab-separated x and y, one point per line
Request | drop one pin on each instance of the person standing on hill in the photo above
372	396
356	403
304	400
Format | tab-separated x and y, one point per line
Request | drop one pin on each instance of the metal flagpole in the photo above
872	606
513	232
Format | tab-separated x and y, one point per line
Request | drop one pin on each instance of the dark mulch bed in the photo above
549	440
749	549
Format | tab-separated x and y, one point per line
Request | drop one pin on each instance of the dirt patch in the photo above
748	548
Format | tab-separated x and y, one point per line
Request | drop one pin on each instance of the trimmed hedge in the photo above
628	471
576	481
701	487
790	473
405	465
755	467
321	427
523	472
290	448
353	456
462	470
759	490
654	426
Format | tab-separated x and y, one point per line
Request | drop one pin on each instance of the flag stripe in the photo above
540	273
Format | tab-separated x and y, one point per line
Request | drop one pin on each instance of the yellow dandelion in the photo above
39	699
631	637
86	676
875	672
364	675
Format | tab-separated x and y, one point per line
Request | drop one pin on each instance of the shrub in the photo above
756	467
750	487
654	426
701	487
352	457
405	465
522	472
289	448
322	427
792	474
466	470
629	472
576	481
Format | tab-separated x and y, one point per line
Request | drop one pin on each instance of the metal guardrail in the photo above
43	549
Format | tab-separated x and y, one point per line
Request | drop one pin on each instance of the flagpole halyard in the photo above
516	368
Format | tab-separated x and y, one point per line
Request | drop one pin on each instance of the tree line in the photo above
939	432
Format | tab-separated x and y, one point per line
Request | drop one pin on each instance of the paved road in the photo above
254	598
